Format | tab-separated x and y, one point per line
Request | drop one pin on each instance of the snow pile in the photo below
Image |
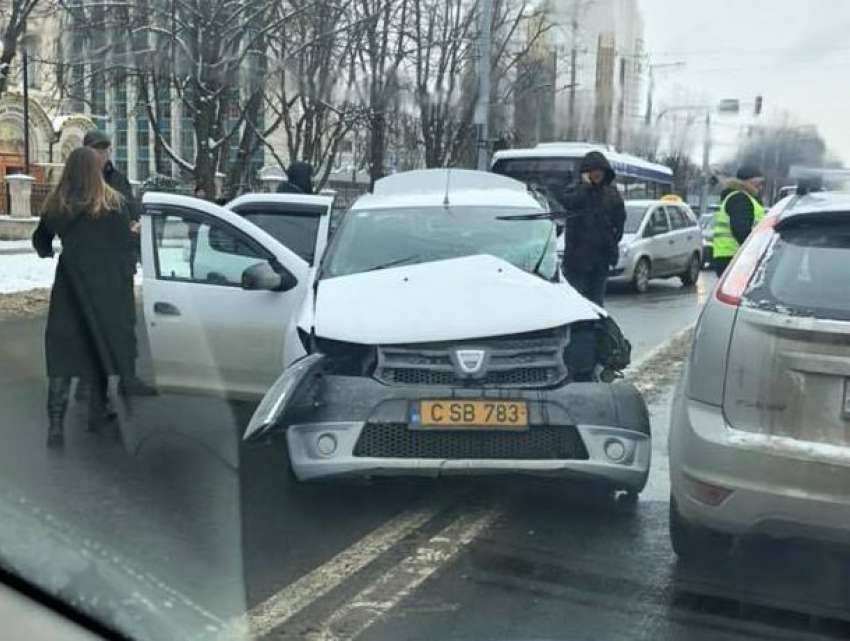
22	272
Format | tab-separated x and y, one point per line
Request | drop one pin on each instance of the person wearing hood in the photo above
299	179
740	211
595	219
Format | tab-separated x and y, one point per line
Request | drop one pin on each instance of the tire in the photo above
640	279
691	276
706	258
693	542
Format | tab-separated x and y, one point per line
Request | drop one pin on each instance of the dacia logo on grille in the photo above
471	361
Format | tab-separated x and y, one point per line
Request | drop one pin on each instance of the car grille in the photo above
525	361
396	440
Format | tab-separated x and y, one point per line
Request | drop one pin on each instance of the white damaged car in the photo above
436	335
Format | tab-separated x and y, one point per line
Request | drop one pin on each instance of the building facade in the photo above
600	48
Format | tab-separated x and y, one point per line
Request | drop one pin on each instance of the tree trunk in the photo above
377	149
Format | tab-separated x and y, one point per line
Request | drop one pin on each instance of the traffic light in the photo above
759	104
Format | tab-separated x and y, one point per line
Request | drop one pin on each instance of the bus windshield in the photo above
551	177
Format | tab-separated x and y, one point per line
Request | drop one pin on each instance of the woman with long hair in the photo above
90	328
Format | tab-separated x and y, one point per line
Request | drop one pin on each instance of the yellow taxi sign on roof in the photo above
671	198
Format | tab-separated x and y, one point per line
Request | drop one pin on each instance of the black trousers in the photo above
591	282
720	265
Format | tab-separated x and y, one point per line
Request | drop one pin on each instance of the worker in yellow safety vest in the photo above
740	211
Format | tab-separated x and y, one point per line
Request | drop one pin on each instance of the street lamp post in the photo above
26	77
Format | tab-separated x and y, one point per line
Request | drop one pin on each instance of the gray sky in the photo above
795	53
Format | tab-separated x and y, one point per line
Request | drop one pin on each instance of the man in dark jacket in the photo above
101	144
595	219
299	179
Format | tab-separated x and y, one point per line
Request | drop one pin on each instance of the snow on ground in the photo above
15	244
23	272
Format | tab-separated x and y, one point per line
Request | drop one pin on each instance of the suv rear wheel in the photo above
692	542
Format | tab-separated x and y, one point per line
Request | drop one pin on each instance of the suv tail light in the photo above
740	272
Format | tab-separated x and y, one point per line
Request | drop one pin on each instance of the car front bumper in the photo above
779	487
323	443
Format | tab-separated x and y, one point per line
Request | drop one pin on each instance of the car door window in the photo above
658	223
194	250
678	219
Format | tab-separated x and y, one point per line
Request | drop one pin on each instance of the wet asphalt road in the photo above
178	498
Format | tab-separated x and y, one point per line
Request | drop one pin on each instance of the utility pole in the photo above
482	110
573	132
706	169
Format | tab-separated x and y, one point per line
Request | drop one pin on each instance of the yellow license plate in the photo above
455	413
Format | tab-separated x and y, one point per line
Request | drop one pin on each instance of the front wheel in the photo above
640	280
691	275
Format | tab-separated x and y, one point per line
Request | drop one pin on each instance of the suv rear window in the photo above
806	273
297	231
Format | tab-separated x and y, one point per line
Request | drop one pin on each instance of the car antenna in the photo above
446	201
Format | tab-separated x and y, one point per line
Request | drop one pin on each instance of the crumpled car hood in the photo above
457	299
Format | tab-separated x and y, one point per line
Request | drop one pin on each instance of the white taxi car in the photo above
662	239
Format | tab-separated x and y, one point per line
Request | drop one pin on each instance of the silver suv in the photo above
760	426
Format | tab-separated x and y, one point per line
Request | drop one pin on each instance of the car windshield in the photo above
378	238
634	217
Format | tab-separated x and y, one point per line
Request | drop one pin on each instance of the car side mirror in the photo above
649	231
264	277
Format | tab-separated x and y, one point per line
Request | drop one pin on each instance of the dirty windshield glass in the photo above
374	239
425	320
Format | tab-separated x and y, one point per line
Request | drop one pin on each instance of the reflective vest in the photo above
725	243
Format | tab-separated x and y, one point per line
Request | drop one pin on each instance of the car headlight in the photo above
348	359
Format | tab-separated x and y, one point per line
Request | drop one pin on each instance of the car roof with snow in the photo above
821	202
460	187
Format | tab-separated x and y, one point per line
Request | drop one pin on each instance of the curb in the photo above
636	368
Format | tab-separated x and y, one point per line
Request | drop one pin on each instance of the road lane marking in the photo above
283	605
388	590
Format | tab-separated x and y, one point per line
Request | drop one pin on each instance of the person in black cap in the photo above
299	179
740	211
100	142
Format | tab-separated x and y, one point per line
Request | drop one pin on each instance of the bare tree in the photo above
14	15
198	60
313	96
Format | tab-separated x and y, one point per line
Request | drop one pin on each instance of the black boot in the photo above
57	405
100	414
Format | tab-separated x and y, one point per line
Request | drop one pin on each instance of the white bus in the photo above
552	168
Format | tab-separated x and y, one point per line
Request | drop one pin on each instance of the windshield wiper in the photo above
393	263
541	216
543	255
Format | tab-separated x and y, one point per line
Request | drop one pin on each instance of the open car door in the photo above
219	294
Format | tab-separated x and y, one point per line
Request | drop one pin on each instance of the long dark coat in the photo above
91	318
